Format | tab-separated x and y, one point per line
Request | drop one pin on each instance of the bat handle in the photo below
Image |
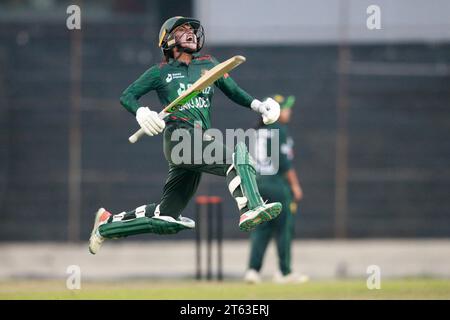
138	134
135	136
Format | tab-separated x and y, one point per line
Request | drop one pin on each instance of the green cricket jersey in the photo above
171	79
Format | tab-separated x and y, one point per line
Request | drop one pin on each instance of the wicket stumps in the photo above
208	209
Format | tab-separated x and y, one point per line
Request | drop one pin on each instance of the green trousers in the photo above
282	228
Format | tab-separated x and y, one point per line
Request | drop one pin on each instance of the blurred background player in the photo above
283	186
181	39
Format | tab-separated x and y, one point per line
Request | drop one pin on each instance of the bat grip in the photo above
138	134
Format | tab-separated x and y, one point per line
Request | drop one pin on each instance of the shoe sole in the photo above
96	223
271	212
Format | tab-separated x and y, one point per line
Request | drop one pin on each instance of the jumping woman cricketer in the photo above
181	39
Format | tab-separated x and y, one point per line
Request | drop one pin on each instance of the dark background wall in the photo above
398	128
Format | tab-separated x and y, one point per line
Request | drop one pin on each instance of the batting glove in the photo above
269	109
149	121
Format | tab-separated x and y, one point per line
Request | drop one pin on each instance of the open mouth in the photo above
190	38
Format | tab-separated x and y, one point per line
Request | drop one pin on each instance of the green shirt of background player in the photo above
284	187
181	39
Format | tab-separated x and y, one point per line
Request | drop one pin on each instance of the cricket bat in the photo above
206	80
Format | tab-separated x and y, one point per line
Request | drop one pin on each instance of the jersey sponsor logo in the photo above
171	76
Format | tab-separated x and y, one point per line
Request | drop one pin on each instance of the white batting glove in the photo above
149	121
269	109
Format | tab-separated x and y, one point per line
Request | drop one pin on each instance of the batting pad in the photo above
243	163
156	224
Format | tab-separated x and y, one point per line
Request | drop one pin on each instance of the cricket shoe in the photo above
252	276
265	212
96	240
290	278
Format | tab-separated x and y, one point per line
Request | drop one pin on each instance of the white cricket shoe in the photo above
290	278
252	276
265	212
96	240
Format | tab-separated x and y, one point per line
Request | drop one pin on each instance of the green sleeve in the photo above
230	88
149	80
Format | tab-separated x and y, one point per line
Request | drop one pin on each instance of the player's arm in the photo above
269	108
230	88
294	183
147	119
148	81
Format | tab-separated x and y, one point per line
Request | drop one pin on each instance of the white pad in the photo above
234	184
241	202
140	211
157	212
231	167
118	217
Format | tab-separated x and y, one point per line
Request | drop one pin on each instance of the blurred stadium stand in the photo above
398	124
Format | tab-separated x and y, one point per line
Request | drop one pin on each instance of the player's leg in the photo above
283	236
241	179
180	187
144	219
164	218
259	240
260	237
284	233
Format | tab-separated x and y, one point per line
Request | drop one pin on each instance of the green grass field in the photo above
180	290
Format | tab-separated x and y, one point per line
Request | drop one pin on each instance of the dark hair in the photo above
168	54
